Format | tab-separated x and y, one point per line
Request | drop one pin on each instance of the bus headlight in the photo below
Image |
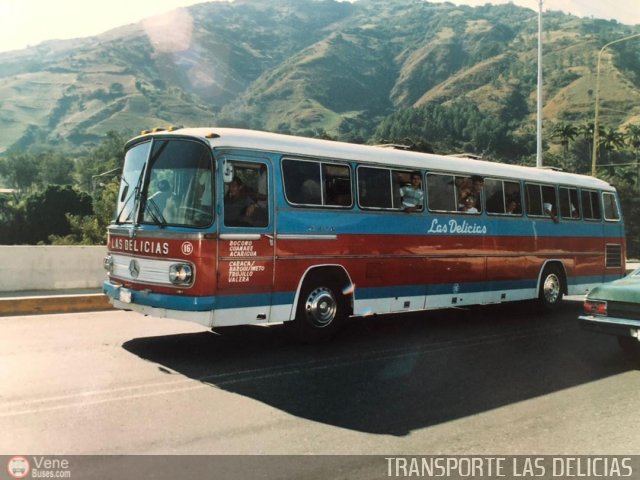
181	274
107	263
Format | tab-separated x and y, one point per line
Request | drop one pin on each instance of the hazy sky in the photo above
29	22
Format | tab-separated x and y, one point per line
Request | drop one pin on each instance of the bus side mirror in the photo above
227	171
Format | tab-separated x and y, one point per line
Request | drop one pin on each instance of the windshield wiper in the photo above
153	209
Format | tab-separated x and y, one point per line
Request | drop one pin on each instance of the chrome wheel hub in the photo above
321	307
551	288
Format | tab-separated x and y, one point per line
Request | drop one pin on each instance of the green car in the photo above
614	308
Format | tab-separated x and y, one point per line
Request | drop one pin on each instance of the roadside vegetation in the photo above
62	199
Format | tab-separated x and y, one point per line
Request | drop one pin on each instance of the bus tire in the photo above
551	289
321	309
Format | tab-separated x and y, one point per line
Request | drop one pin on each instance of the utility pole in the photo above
539	119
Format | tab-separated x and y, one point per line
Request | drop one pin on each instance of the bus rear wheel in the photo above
321	309
551	289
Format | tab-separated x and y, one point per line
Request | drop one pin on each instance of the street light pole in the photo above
539	117
596	135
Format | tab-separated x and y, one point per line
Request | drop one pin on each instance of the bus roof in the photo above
327	149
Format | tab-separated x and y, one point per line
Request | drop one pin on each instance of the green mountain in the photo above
305	66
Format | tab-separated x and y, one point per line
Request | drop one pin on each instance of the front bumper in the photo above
157	300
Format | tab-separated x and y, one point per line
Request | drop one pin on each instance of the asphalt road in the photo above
493	380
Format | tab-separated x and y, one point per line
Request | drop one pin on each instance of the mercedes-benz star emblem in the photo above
134	268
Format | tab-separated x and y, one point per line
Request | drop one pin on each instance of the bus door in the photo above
246	235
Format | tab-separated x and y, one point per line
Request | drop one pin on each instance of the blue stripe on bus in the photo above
339	222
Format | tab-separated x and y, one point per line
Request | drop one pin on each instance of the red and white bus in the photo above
230	227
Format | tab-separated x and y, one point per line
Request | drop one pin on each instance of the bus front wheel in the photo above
321	309
551	289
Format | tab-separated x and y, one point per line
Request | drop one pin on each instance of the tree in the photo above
109	154
632	135
565	132
21	170
55	168
46	211
611	140
92	229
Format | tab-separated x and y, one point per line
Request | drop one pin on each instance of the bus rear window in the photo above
611	210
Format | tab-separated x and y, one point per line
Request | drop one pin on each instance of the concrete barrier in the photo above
51	279
46	267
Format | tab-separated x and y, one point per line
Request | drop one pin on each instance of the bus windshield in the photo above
177	186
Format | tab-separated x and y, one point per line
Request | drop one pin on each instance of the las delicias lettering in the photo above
139	246
455	227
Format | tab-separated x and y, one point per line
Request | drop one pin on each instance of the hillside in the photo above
305	66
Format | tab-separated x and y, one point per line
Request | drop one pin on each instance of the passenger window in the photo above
302	182
611	211
569	204
469	193
590	205
382	188
503	197
451	193
541	201
374	187
312	183
534	200
337	185
441	193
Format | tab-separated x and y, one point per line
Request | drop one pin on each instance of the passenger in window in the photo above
238	207
574	211
310	191
550	210
469	204
412	195
513	208
465	189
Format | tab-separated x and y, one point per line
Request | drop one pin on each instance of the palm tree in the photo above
586	132
610	141
632	135
566	133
